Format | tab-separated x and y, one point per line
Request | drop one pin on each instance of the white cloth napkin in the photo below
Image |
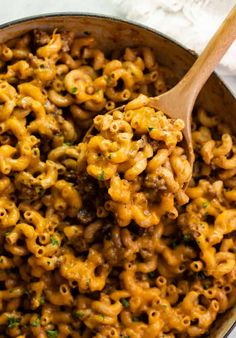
191	22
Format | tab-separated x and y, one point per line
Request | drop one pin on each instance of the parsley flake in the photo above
205	204
54	241
79	314
39	190
41	66
13	322
52	333
135	319
26	292
109	80
11	79
35	323
87	282
101	176
207	284
201	275
42	300
124	302
150	128
73	90
151	274
187	238
174	244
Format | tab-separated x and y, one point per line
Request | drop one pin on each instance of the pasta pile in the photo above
136	142
98	238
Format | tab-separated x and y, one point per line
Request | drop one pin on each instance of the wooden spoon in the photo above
178	102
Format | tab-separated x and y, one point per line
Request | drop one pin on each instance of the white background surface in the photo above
15	9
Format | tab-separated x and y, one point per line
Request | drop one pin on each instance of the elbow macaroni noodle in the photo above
98	237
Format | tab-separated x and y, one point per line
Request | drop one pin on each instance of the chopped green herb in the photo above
88	282
187	238
42	65
205	204
109	80
67	144
54	241
13	322
101	176
39	190
108	236
26	292
11	79
150	128
35	323
201	275
52	333
7	233
174	243
207	284
42	300
79	314
110	156
151	274
73	90
102	315
124	302
135	319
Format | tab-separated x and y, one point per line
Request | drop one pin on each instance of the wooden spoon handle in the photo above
198	74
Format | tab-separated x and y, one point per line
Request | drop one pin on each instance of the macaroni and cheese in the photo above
98	237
